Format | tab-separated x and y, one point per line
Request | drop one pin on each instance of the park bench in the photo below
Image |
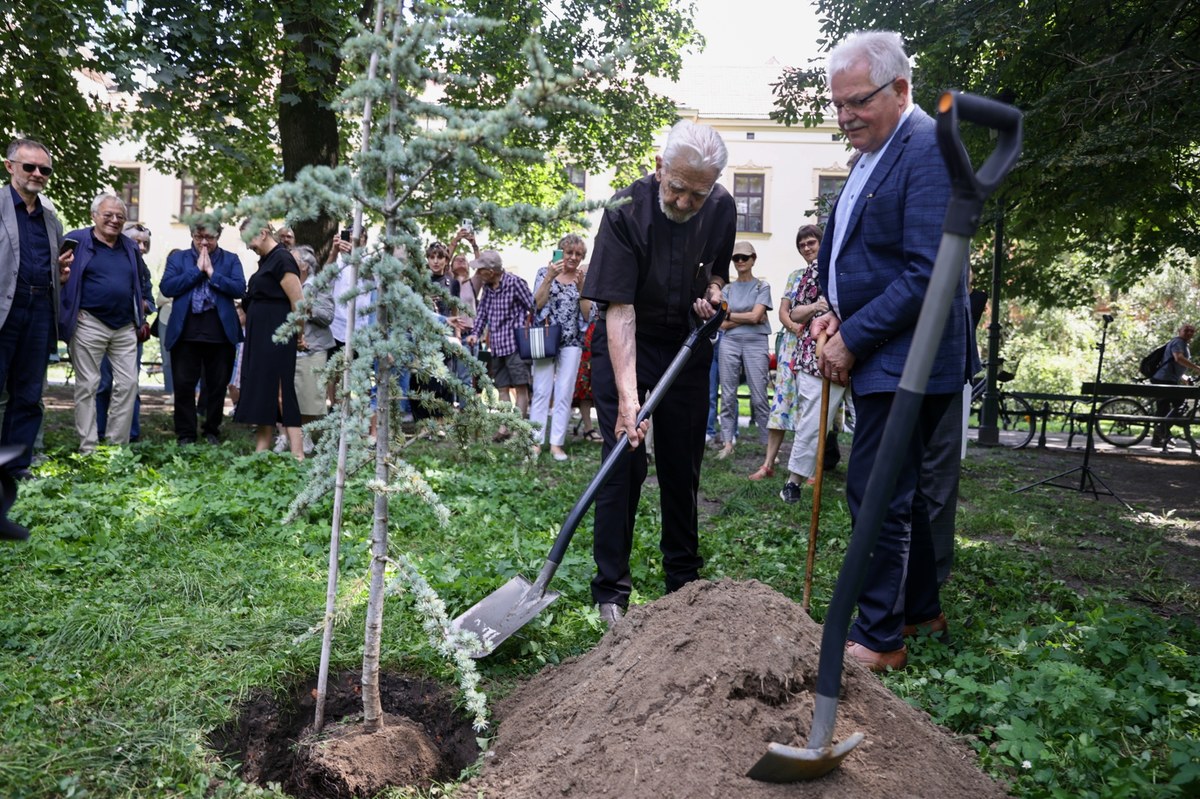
1066	406
1176	394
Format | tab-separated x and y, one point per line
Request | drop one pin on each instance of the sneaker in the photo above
281	443
213	439
791	492
309	446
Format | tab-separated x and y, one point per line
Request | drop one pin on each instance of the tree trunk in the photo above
308	124
372	707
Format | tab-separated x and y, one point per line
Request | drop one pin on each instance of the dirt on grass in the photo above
683	696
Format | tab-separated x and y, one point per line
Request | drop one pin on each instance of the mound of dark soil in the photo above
424	739
682	697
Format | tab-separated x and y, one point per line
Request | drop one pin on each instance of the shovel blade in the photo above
502	612
784	763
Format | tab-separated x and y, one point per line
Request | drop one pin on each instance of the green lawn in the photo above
160	587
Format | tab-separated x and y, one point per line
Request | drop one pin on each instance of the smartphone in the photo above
558	256
345	234
467	225
68	245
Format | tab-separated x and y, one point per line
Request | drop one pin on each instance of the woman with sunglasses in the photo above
744	346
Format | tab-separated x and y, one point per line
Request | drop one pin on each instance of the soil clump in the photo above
424	739
682	697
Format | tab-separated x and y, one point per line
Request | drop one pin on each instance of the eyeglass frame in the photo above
43	170
113	216
854	105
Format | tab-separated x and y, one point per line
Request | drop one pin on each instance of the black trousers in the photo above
191	360
679	424
1165	407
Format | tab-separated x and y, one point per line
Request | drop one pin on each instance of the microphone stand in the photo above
1087	477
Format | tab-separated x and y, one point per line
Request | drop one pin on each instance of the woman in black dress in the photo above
268	390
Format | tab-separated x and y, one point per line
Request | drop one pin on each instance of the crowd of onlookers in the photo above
92	289
784	383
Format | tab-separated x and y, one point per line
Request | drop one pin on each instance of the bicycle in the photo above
1117	424
1015	417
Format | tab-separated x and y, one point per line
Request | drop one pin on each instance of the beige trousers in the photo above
92	341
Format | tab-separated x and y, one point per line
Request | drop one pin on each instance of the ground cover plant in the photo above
160	590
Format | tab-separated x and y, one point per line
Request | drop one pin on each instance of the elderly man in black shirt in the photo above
660	260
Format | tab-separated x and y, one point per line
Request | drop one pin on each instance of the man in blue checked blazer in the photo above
874	266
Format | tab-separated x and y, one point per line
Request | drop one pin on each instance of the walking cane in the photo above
818	478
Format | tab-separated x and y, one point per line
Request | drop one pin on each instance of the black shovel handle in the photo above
567	532
968	194
969	189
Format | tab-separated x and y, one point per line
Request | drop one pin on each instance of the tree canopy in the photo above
246	93
44	99
1111	168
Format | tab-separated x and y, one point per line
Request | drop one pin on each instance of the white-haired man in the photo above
659	261
874	266
102	308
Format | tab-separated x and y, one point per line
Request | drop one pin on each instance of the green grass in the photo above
160	588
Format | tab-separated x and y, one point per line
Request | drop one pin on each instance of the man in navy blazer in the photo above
202	334
874	266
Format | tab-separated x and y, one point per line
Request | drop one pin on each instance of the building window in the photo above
577	177
189	197
828	187
129	181
749	191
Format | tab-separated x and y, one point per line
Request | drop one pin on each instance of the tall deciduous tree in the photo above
240	89
1111	167
43	59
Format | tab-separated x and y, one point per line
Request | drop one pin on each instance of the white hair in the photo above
103	198
882	50
695	146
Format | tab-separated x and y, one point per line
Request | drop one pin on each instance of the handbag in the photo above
536	342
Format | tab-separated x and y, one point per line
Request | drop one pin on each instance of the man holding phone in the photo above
33	265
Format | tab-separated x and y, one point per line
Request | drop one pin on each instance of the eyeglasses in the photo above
808	243
855	105
203	237
737	259
112	216
42	170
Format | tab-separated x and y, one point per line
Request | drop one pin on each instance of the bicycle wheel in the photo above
1018	422
1121	432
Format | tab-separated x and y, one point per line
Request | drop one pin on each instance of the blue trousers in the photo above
714	383
24	355
901	581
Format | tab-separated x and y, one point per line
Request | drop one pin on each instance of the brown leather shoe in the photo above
934	628
878	661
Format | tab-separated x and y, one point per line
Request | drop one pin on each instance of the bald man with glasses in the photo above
31	273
